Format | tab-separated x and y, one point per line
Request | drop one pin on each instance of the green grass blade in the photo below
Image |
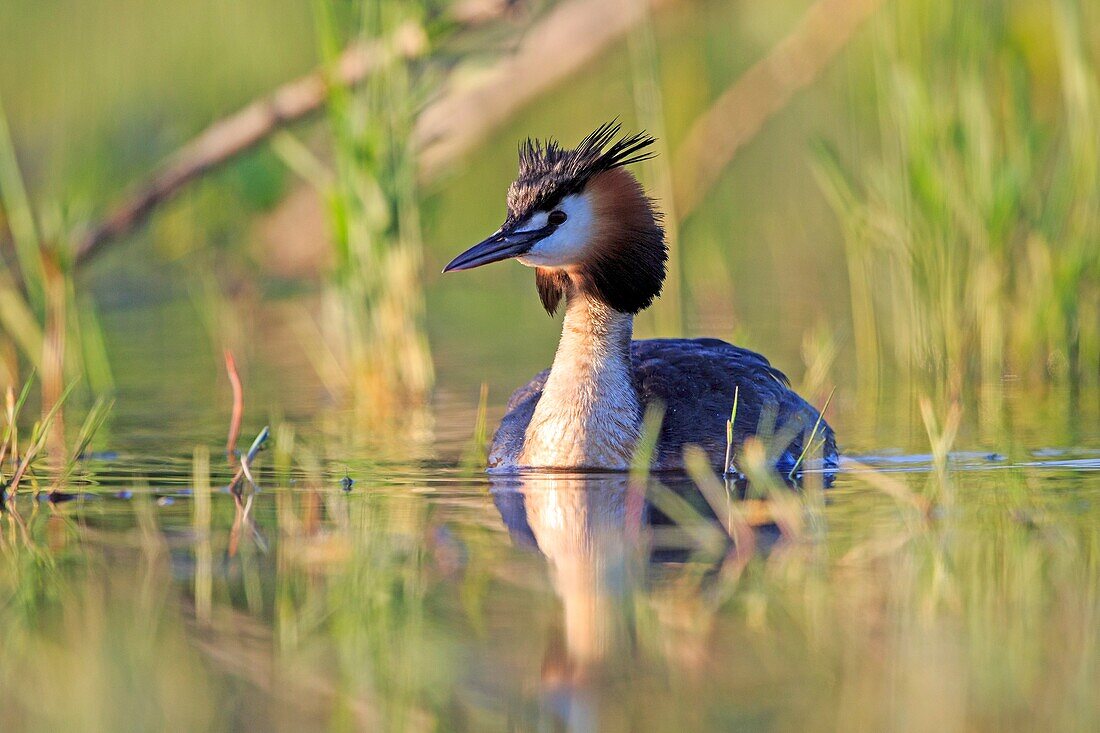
13	197
647	445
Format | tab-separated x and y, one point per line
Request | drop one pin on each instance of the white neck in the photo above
589	413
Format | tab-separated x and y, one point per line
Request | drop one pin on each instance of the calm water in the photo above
356	590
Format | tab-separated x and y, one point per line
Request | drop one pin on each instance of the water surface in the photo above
379	584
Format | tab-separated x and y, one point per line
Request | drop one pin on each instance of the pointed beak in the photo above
500	246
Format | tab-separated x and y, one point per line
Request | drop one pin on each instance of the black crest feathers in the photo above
588	158
548	172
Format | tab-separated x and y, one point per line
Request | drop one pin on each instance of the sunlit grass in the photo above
374	307
971	233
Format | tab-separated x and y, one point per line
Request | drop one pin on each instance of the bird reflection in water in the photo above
603	540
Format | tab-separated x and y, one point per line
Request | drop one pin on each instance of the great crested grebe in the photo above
595	239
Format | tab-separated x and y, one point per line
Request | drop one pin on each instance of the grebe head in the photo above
582	221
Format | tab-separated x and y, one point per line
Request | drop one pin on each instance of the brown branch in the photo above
462	116
761	92
227	138
468	111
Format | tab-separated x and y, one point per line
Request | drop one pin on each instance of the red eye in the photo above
557	217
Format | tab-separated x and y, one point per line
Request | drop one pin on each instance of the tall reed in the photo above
971	235
374	304
39	316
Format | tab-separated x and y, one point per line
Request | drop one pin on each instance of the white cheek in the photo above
569	244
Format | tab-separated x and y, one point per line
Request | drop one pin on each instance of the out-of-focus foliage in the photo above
971	237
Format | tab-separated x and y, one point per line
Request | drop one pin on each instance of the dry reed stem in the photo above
238	407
